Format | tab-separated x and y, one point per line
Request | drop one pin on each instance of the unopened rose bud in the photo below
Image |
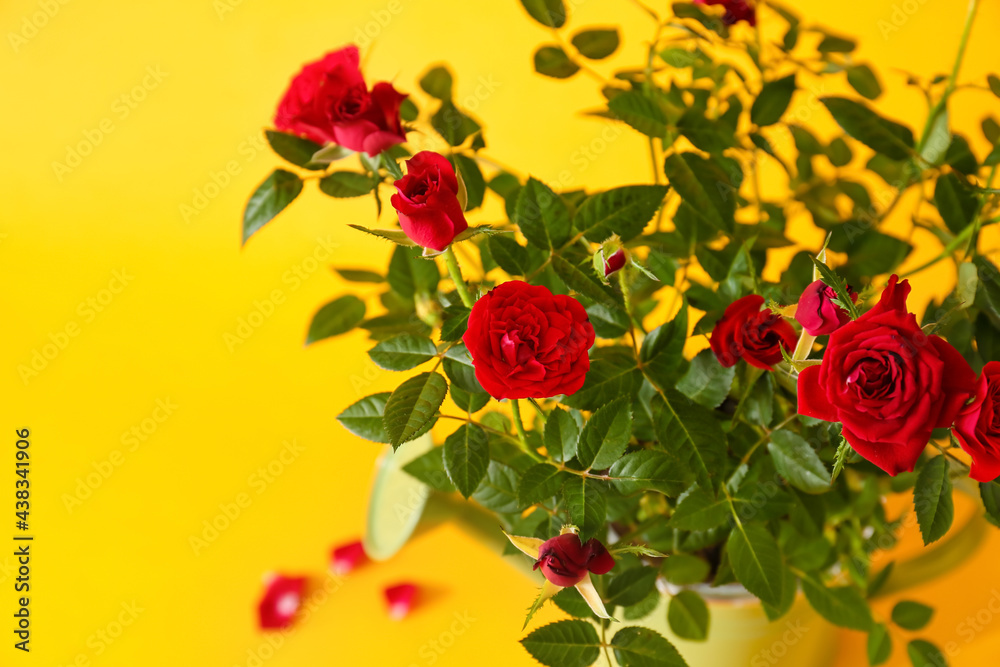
565	561
816	311
282	599
615	262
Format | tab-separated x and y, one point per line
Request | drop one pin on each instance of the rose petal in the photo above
280	602
401	599
347	557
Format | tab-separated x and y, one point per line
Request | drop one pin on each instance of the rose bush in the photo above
553	339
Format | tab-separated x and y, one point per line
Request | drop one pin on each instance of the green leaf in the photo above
688	616
498	492
772	102
911	615
704	133
437	82
682	569
346	184
639	112
466	458
467	400
364	418
925	654
586	284
646	470
932	499
475	184
429	469
269	199
662	350
841	605
956	203
844	451
699	511
994	83
839	152
412	408
705	186
396	236
798	462
571	602
509	254
631	586
550	13
641	647
756	561
360	276
707	382
540	482
453	125
459	369
612	373
564	643
697	435
624	211
605	436
337	317
587	505
879	645
833	44
402	352
561	435
596	44
989	492
880	134
552	61
542	216
295	149
863	80
410	274
455	322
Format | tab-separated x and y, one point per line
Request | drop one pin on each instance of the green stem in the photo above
515	407
456	277
953	78
950	248
977	221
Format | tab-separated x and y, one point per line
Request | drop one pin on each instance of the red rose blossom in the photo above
282	599
978	426
747	332
736	10
816	311
888	383
527	342
427	201
565	561
328	102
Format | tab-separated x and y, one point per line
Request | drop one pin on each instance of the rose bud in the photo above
427	201
565	561
978	426
816	311
347	557
328	102
400	599
282	599
888	383
615	262
527	342
747	332
736	10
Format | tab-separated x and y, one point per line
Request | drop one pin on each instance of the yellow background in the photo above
189	284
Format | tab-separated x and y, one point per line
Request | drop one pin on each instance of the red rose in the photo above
527	342
565	561
978	426
888	383
281	601
328	102
736	10
427	201
816	311
747	332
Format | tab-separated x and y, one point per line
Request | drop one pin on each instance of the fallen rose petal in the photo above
282	599
347	557
400	599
